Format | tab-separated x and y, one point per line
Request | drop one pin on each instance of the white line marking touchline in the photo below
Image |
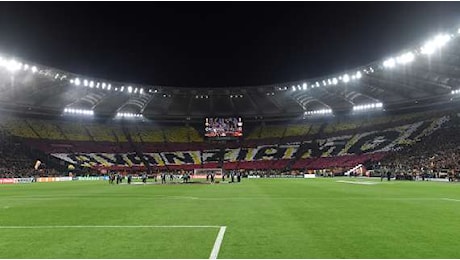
450	199
218	243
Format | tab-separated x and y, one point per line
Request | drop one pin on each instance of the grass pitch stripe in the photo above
48	227
218	243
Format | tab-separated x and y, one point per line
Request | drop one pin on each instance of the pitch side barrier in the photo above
16	180
46	179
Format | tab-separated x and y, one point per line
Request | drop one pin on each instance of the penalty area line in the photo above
218	243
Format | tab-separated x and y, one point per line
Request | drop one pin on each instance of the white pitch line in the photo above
50	227
214	252
218	243
450	199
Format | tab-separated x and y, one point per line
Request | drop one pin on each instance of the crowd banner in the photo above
383	140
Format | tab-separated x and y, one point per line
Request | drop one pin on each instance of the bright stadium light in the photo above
77	82
389	63
346	78
109	86
405	58
74	111
91	84
85	82
371	106
317	83
438	42
320	112
26	67
103	85
122	88
13	65
358	74
335	81
141	91
130	89
128	115
304	86
293	88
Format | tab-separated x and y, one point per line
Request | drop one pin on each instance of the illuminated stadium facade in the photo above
423	75
336	122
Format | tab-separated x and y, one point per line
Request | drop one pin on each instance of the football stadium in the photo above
361	163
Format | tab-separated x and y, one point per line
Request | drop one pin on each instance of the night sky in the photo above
216	44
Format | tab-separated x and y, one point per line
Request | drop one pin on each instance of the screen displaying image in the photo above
224	127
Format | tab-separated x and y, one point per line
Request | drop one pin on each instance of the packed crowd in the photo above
438	155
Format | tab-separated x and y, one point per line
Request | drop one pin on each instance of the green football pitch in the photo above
257	218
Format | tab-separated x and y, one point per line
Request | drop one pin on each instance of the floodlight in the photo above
130	89
317	83
141	91
293	88
91	84
441	40
26	66
77	81
135	90
122	88
358	75
389	63
103	85
405	58
346	78
13	65
334	81
109	86
85	82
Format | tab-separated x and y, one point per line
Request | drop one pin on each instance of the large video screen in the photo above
223	127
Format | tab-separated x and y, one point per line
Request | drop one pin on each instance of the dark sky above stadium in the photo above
216	44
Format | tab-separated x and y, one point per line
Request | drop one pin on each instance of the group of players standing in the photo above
118	177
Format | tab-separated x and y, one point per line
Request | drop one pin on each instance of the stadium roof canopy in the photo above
426	73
